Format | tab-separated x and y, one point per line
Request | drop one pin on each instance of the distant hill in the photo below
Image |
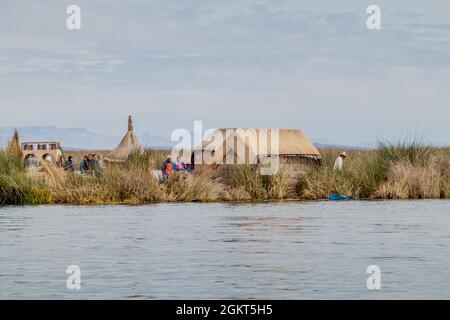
340	147
329	144
156	142
79	138
83	139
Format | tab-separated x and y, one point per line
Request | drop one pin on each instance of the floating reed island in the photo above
404	170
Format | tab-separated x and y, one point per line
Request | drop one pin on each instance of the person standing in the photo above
339	162
167	168
100	162
178	165
83	164
69	165
32	161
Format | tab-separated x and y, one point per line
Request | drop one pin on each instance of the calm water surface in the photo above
290	250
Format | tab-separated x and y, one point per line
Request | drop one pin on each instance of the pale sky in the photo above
311	65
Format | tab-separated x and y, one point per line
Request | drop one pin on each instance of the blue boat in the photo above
334	196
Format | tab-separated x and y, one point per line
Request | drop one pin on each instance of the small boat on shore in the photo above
334	197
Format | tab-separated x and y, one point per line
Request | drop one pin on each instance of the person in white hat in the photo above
340	161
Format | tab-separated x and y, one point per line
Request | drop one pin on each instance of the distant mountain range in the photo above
83	139
338	146
79	138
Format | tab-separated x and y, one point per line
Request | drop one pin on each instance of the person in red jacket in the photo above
167	168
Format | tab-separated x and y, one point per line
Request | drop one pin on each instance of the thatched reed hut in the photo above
225	149
127	146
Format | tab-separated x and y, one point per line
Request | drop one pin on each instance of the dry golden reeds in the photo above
408	181
185	187
53	176
405	171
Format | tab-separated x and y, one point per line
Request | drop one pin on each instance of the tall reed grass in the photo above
130	183
15	186
408	169
263	187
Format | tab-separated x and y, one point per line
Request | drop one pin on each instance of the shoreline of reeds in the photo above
403	170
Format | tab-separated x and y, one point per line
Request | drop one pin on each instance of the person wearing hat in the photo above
340	161
32	161
167	167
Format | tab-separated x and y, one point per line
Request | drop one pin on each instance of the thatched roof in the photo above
128	145
258	142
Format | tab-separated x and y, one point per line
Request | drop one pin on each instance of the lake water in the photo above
286	250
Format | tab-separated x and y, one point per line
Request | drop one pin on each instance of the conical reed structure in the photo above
127	146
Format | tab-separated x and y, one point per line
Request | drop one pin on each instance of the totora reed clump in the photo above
403	170
15	186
